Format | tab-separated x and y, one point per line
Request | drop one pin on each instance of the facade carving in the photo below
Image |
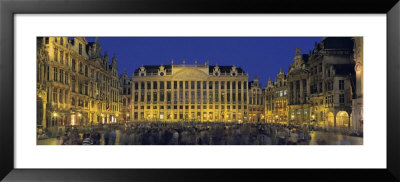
321	86
76	85
276	100
185	92
256	101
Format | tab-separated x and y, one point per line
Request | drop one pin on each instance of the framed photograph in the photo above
183	91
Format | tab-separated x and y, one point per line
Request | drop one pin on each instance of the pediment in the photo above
190	74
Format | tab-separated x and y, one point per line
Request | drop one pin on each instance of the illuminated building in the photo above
358	95
276	100
75	84
298	89
184	92
256	101
126	96
321	85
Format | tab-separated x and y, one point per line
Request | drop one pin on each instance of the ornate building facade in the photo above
126	96
256	101
321	84
276	100
183	92
75	84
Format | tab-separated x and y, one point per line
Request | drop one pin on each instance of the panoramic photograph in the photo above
199	91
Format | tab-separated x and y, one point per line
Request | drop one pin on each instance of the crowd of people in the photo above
193	133
186	133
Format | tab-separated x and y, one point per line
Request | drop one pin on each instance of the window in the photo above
86	88
92	73
148	96
192	96
62	57
46	40
186	85
86	71
80	87
155	85
66	78
136	96
341	84
80	68
175	96
80	48
204	85
210	85
61	76
168	85
148	85
175	84
155	96
55	54
198	96
54	95
61	41
55	74
192	85
168	96
341	98
73	65
136	85
161	85
73	83
162	96
141	96
61	96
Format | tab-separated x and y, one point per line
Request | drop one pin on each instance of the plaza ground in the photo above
316	136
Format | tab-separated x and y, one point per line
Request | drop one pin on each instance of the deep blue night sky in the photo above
259	56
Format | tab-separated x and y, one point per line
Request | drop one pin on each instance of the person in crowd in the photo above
106	137
113	137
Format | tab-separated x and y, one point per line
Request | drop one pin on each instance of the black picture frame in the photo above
9	8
